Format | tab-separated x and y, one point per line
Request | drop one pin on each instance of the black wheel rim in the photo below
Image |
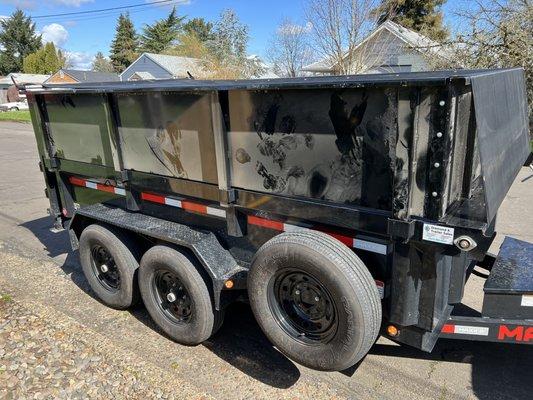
172	296
302	306
104	268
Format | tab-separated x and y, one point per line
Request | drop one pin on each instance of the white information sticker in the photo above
527	300
438	234
471	330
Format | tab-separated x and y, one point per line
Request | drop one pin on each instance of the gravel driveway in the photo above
48	356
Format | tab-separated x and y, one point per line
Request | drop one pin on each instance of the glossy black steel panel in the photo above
513	270
334	145
510	306
141	181
342	216
502	128
168	133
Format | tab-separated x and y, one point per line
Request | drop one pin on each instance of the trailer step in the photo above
509	287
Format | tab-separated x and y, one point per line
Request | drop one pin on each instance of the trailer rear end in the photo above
339	207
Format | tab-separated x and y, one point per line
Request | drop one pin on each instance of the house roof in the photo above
88	76
144	75
177	66
23	78
413	39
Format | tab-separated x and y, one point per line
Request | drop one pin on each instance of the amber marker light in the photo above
392	331
228	284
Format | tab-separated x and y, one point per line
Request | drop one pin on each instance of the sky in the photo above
82	36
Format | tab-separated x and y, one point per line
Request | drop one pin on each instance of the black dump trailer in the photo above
339	207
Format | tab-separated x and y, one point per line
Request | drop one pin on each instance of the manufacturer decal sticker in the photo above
438	234
527	300
471	330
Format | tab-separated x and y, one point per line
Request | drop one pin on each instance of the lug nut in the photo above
317	298
171	297
297	292
464	244
104	268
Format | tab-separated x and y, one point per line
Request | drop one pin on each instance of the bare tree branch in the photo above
289	49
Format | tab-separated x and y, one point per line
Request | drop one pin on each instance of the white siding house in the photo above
21	79
389	48
160	66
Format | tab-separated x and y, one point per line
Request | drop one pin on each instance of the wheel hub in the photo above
172	296
303	306
105	268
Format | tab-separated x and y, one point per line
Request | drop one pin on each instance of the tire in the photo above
188	317
117	287
295	269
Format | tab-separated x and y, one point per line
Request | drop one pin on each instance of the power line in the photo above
81	13
109	14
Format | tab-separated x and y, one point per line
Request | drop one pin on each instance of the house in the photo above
79	76
22	79
389	48
160	66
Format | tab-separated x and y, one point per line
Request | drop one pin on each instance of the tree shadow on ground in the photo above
498	370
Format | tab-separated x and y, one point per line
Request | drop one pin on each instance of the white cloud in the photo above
79	59
170	5
55	33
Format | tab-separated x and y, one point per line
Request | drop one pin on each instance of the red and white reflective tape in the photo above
97	186
349	241
183	204
465	330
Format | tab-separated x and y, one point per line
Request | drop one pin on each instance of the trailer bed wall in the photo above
502	130
334	145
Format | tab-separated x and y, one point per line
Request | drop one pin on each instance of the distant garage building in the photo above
21	79
160	66
80	76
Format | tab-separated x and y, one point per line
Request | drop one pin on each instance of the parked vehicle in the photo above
14	106
339	207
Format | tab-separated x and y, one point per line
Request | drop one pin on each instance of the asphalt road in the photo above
38	269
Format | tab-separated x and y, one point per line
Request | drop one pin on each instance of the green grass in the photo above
6	298
20	116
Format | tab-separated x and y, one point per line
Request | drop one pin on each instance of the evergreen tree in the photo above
18	39
423	16
200	28
46	60
102	64
162	34
124	45
229	58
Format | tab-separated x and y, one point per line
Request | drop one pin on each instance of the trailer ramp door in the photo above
502	130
